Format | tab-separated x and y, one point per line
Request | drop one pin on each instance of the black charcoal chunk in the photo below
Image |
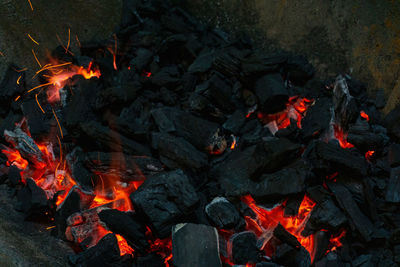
358	220
122	223
14	175
235	122
39	123
10	89
142	59
284	236
345	106
280	184
32	200
244	248
324	215
317	119
223	214
258	64
328	158
69	206
203	62
149	260
272	93
167	76
380	99
290	256
178	152
299	70
195	245
362	137
393	187
105	253
165	199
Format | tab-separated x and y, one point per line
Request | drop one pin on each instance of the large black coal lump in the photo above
223	214
105	253
244	248
290	256
328	158
165	199
122	223
14	175
317	119
195	245
272	93
299	70
69	206
176	152
393	187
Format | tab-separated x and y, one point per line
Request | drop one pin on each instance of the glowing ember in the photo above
295	110
268	219
364	115
124	248
369	155
233	145
14	158
341	137
334	241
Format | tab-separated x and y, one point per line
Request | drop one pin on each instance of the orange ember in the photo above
341	137
334	241
233	145
369	155
364	115
268	219
124	248
295	110
15	158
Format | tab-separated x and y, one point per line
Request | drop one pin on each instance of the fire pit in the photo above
174	144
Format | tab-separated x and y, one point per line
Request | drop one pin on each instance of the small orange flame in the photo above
364	115
124	248
15	158
369	155
341	137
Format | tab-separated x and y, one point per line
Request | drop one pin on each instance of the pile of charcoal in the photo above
175	144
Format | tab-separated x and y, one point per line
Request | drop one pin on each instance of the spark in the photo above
39	86
30	4
63	46
69	39
77	40
37	60
16	99
50	227
19	78
59	125
115	53
37	101
21	70
33	40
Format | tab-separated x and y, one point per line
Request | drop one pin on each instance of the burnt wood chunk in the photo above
165	199
14	175
272	93
105	253
69	206
258	64
358	220
244	248
324	215
393	187
287	255
394	155
178	152
195	245
275	186
235	122
123	223
298	69
328	158
223	214
345	106
362	137
317	119
284	236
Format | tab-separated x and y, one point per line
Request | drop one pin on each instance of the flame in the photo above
295	109
268	219
341	137
233	145
124	248
334	241
15	158
364	115
369	155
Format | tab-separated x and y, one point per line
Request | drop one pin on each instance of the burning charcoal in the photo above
328	158
32	200
244	248
324	215
394	155
392	125
357	219
165	199
69	206
289	256
123	167
393	187
81	174
321	243
111	140
299	70
284	236
177	153
195	245
123	224
105	253
10	88
218	91
235	122
345	107
14	175
223	214
361	136
204	135
272	93
274	186
317	120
